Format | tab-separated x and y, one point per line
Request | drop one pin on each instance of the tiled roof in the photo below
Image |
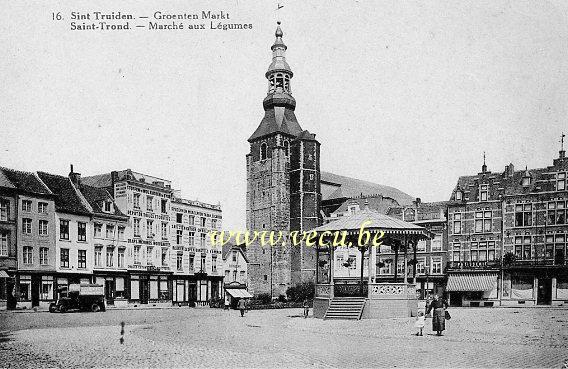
506	183
374	220
24	181
381	204
471	282
96	197
4	181
347	187
231	246
67	200
423	209
99	180
277	120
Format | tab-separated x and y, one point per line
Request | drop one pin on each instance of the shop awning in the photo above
3	274
238	292
472	282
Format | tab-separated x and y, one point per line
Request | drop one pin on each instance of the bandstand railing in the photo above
350	290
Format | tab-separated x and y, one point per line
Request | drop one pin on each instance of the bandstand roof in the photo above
374	221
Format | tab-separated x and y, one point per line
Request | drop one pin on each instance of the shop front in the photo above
150	288
546	286
115	287
7	290
473	289
235	291
184	290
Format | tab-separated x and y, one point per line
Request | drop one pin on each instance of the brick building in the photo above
507	237
283	184
535	231
431	255
475	239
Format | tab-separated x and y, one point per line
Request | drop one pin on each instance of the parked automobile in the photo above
85	297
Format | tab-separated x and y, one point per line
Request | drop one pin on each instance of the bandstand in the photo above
365	299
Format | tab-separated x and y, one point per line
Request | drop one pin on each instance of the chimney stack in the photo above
75	177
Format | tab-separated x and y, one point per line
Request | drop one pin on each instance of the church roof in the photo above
379	203
372	220
277	120
334	186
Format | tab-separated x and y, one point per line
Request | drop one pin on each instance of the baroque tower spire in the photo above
279	105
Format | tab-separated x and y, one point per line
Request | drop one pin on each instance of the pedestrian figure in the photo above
420	322
428	301
439	306
227	302
241	305
306	308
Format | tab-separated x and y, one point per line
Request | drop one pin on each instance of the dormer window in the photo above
560	181
108	206
263	150
459	195
526	181
483	192
352	209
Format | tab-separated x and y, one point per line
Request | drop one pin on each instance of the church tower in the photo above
283	191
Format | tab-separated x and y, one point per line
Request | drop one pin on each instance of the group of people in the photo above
242	306
438	308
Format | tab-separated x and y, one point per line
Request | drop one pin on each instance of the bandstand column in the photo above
405	260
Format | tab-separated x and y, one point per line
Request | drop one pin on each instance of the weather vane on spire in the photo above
280	6
484	158
562	141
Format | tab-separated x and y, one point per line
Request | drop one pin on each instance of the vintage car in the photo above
85	297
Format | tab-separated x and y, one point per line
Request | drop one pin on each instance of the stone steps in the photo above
345	308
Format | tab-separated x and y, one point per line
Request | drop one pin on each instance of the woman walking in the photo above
439	317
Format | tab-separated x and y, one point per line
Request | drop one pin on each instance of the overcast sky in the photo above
406	94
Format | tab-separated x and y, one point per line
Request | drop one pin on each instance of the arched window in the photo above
279	80
459	195
263	149
271	83
286	148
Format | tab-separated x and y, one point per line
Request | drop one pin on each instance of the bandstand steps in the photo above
345	308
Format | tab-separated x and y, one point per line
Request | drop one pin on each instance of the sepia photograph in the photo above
283	184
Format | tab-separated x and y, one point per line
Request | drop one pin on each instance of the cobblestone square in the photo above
184	337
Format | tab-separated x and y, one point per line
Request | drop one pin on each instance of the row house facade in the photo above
236	274
475	228
109	227
535	231
73	238
27	225
198	271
